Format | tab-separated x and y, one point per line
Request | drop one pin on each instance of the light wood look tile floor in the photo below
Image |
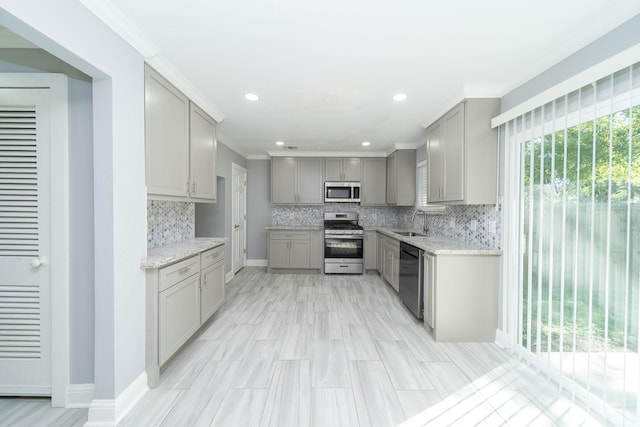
321	350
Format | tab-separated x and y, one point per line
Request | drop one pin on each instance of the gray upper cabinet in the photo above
167	137
180	144
284	187
342	169
401	178
297	180
203	146
374	181
462	154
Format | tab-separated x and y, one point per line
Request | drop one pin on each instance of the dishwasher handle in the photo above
410	254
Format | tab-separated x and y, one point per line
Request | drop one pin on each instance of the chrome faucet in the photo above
425	230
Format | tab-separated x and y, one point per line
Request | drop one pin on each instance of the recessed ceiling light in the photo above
279	143
251	97
366	144
399	97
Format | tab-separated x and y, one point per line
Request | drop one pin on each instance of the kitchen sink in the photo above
410	234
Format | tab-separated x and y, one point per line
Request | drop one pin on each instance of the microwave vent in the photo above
290	147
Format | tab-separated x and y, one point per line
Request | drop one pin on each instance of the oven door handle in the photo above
343	237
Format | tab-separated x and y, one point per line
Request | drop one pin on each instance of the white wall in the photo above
68	30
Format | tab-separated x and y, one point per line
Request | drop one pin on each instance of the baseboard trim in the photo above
79	395
228	276
502	338
256	263
109	412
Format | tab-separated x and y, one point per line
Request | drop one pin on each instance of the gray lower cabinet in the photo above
461	297
212	277
179	311
370	250
380	254
391	261
180	298
294	250
373	189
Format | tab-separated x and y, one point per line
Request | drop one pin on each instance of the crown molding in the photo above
108	13
121	25
258	157
224	139
465	92
163	66
326	153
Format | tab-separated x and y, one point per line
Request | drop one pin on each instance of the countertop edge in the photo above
294	227
430	244
163	256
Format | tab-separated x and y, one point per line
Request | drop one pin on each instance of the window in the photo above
421	184
579	222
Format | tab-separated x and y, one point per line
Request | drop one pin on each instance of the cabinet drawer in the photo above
211	256
173	274
289	235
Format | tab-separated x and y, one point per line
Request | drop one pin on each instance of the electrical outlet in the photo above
452	222
473	224
492	227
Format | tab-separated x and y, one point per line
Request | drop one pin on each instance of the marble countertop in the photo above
438	245
174	252
295	227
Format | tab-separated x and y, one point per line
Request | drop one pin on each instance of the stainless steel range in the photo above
343	243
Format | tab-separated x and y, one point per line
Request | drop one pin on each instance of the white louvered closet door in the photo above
25	282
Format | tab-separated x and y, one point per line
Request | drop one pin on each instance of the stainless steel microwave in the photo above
342	192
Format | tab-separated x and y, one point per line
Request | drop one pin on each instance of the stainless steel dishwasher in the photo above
411	270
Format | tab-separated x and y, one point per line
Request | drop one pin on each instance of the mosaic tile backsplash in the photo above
169	222
454	224
381	216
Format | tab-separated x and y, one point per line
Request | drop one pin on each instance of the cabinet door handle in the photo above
184	270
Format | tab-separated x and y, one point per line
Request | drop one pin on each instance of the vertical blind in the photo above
578	217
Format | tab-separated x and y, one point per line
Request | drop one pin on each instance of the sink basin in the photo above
410	233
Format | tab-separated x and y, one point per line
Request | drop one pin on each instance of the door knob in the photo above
236	226
37	262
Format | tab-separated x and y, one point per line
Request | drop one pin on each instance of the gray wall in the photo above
615	41
258	207
81	239
208	214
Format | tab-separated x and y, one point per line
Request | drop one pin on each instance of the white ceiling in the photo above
326	70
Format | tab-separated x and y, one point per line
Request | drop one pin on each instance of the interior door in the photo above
25	279
239	241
